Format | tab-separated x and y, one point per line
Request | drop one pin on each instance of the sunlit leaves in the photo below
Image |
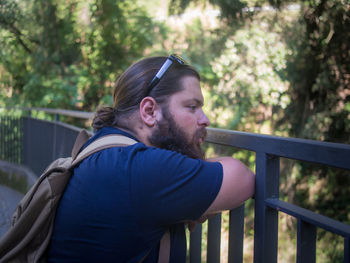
74	49
249	81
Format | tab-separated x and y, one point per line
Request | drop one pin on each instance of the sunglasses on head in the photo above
170	60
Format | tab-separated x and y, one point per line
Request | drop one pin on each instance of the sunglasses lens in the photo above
178	59
172	58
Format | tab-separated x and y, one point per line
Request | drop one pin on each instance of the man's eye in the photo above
193	108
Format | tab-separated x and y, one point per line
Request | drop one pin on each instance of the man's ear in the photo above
149	109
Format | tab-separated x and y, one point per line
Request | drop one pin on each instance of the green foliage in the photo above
267	66
285	72
68	53
321	92
250	87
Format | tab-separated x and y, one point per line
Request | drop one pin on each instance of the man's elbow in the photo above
250	184
238	185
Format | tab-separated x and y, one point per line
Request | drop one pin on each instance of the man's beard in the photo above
171	137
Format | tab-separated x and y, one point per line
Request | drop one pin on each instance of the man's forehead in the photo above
191	90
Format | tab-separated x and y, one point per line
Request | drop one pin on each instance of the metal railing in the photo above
11	134
38	142
269	150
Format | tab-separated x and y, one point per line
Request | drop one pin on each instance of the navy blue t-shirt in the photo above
121	200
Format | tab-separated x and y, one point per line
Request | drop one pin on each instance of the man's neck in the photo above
138	135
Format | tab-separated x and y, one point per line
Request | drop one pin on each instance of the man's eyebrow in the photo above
197	101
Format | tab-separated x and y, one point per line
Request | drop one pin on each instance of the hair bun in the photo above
104	116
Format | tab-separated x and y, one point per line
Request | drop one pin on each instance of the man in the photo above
121	201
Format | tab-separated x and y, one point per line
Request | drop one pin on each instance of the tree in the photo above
284	69
68	53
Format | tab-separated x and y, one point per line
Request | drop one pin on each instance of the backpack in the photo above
33	220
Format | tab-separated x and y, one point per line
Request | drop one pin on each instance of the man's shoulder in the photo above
163	162
155	154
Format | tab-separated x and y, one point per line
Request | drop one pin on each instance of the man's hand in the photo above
192	224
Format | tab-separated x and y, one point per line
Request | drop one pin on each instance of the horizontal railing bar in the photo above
321	221
326	153
62	124
70	113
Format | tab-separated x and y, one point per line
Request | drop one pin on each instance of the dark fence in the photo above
11	138
269	150
45	141
37	142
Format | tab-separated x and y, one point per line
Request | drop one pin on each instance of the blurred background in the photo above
267	66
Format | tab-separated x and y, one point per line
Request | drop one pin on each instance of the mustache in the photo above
201	133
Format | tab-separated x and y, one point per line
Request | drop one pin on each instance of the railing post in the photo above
214	236
306	242
26	141
236	235
196	245
2	155
266	219
347	250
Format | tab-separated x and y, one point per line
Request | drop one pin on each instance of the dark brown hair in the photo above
130	89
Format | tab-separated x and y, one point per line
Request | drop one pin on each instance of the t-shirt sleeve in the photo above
168	187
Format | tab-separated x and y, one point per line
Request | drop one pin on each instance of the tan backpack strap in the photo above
82	138
164	248
108	141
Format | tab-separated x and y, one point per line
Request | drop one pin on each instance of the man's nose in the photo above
203	119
